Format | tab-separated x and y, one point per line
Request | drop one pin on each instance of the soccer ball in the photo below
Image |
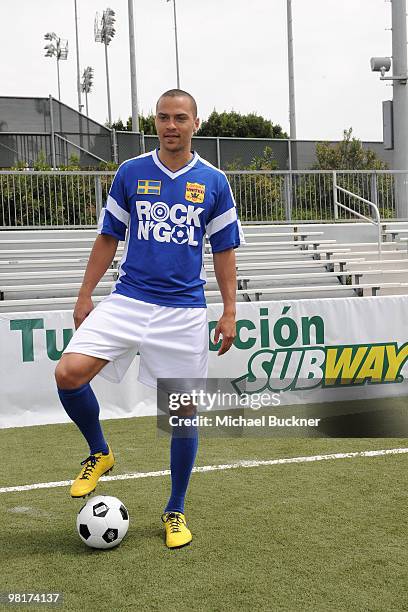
103	522
179	234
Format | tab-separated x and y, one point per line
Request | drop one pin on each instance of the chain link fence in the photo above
44	128
92	149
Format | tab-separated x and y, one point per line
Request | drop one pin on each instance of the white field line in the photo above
244	463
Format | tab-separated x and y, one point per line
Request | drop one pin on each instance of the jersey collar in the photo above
182	170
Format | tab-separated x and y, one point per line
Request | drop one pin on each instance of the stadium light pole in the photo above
400	102
176	42
86	84
80	105
395	123
133	79
104	32
292	106
57	47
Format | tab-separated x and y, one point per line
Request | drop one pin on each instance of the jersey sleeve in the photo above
114	217
223	227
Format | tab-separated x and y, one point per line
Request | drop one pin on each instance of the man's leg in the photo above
176	347
73	374
183	451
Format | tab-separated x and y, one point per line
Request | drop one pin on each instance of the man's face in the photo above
175	123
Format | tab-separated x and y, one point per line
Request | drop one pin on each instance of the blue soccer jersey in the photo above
167	215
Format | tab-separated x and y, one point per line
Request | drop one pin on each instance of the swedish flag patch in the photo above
145	187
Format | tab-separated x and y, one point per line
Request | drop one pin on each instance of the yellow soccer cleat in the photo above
95	466
177	532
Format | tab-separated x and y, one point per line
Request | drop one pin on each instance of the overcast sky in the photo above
233	55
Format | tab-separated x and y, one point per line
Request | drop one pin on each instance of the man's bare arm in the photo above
101	257
225	273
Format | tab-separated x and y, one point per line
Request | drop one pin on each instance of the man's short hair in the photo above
174	93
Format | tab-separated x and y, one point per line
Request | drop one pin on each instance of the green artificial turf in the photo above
329	535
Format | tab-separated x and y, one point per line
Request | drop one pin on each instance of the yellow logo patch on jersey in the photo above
146	187
195	193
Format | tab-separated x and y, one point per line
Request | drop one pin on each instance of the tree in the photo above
146	125
266	161
257	194
49	200
217	124
117	125
240	126
349	154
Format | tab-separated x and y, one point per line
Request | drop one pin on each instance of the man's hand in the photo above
101	257
225	327
82	309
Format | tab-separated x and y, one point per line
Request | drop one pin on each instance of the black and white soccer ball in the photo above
103	522
179	234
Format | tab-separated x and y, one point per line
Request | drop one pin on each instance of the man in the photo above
164	202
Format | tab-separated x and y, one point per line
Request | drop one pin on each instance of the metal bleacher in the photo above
42	269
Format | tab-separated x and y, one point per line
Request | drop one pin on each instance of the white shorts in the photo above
172	342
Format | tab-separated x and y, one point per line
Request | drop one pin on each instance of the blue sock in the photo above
183	450
82	407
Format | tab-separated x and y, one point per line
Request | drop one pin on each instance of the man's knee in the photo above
67	375
188	410
73	371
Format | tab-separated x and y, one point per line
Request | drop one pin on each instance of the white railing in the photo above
337	204
33	198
